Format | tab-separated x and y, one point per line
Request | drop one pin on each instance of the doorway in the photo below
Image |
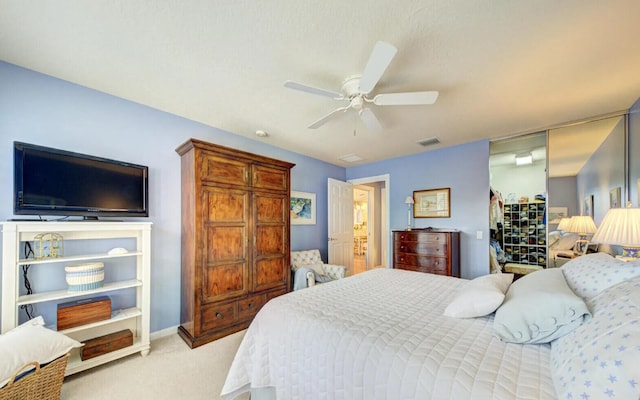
371	221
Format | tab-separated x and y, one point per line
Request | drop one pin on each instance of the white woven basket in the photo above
87	276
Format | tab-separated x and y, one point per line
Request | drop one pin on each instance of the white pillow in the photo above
566	242
28	342
590	274
538	308
601	359
554	236
479	297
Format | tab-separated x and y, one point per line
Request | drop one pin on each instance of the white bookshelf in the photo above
135	318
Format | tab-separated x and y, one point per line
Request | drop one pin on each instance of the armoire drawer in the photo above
248	307
219	315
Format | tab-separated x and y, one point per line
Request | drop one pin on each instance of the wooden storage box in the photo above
81	312
104	344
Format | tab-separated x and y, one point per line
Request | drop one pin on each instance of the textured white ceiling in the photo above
501	66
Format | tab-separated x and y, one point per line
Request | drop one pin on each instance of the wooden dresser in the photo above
235	238
432	250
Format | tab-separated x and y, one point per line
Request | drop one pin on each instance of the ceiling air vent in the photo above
428	142
351	158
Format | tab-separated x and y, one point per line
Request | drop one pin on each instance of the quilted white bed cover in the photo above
382	335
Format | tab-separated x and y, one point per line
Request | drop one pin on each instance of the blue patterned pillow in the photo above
601	359
590	274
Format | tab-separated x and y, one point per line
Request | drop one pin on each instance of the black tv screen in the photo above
49	181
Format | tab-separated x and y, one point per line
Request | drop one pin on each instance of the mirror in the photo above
587	176
580	167
587	167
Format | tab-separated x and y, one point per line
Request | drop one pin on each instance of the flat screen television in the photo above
49	181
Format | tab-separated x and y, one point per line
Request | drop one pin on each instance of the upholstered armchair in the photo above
309	269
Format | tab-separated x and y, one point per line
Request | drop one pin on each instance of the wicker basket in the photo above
43	384
81	277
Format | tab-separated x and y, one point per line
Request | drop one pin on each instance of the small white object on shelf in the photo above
117	250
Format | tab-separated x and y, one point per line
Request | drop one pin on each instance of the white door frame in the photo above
385	236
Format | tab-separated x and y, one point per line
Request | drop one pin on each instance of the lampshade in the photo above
564	224
408	200
582	225
620	226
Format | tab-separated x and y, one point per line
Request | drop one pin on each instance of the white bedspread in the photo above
382	335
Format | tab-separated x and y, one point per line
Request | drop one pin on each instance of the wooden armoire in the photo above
235	238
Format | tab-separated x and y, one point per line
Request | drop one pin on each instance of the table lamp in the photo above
621	226
564	224
408	201
583	225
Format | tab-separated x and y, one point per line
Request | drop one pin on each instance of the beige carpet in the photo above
171	371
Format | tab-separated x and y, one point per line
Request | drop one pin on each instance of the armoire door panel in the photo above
269	273
226	205
271	209
224	170
270	240
223	281
270	178
226	243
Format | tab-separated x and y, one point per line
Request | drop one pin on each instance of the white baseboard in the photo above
172	330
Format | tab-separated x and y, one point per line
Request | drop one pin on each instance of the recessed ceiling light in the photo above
260	133
524	159
351	158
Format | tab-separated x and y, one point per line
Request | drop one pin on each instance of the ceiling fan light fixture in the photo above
524	159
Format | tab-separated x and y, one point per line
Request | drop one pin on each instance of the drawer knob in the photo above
218	315
402	247
250	305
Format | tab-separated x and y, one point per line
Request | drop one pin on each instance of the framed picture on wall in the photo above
557	213
302	206
588	205
433	203
614	197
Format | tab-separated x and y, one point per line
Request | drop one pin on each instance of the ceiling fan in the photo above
356	90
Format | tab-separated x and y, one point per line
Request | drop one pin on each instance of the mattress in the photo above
382	335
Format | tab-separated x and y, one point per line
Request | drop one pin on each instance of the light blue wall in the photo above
36	108
464	169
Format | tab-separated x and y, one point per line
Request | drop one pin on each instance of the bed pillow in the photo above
600	359
539	308
590	274
554	236
479	297
566	241
28	342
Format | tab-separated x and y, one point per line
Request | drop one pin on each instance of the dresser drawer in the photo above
426	248
219	316
421	269
420	261
410	236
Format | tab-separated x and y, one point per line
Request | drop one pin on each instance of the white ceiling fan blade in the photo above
313	90
370	120
405	99
379	60
327	117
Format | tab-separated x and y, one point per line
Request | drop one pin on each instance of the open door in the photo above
340	213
